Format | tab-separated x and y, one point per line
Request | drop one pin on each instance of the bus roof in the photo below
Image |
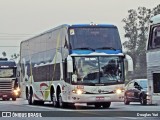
74	25
155	19
92	25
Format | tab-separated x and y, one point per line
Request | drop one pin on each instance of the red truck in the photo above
8	80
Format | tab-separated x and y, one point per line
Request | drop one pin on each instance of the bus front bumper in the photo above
93	98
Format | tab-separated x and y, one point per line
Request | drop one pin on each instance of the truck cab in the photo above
8	80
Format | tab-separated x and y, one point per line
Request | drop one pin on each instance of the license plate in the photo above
99	98
4	95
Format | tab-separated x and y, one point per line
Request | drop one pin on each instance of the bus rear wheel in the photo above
61	103
53	99
31	100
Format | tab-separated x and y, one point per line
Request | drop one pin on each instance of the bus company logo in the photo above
6	114
99	90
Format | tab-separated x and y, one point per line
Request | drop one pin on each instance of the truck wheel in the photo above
7	98
3	99
13	98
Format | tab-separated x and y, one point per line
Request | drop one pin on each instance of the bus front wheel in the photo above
106	105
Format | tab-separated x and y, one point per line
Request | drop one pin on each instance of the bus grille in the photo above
6	86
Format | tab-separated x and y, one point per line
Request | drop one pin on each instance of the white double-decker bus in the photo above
153	61
71	64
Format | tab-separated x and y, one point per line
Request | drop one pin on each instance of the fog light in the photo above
79	92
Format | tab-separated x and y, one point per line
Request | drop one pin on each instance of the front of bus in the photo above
98	64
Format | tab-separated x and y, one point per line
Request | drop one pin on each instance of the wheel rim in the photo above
32	100
60	101
54	100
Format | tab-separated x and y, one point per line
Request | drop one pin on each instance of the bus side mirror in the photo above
129	62
69	64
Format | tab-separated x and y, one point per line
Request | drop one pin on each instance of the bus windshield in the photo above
94	38
98	70
6	73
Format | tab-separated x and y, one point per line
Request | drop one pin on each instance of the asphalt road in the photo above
116	111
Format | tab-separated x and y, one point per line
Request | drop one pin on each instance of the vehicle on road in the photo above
81	63
8	80
153	60
136	91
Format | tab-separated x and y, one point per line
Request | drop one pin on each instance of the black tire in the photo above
13	98
143	100
3	99
27	94
30	99
106	105
39	102
61	104
97	105
126	102
53	99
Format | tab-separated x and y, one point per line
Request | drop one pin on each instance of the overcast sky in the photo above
21	19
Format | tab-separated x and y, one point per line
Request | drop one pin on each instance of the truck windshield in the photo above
94	38
5	73
98	70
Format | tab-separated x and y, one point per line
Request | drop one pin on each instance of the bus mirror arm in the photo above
130	63
69	64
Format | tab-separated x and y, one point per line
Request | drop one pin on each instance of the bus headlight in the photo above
78	91
118	91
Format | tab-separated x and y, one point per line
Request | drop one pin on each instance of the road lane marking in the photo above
133	118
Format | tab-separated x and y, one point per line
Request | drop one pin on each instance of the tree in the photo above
144	15
4	54
15	56
136	28
156	10
131	34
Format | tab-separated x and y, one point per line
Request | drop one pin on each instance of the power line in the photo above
9	46
18	34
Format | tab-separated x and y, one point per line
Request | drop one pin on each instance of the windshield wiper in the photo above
111	48
85	48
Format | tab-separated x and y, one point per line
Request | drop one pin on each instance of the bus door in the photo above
156	82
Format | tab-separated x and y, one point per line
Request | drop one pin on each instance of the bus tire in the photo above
97	105
106	105
27	94
60	101
31	100
53	99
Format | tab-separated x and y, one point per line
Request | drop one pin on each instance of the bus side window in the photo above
67	76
